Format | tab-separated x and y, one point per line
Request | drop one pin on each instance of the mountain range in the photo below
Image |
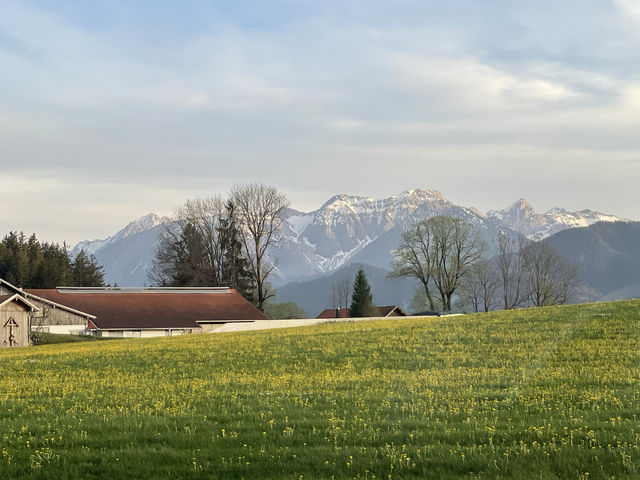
345	230
607	256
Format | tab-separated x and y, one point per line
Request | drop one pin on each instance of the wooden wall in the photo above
21	333
49	315
5	291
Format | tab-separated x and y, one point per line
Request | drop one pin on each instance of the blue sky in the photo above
110	110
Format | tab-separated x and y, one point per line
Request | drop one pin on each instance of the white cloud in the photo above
630	8
321	98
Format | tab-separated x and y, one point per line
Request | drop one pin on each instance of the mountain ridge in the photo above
345	229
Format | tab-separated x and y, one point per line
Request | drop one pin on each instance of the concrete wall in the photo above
160	332
296	322
65	329
21	333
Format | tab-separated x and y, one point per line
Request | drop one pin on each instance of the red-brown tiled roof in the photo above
4	298
389	309
334	313
143	310
344	312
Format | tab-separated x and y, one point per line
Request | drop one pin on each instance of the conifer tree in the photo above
30	263
86	271
361	301
236	272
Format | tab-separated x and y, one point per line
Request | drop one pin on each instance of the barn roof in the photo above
145	308
22	292
384	311
4	299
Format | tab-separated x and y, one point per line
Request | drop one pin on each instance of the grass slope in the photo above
545	393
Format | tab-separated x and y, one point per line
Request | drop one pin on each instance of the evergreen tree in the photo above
29	263
236	272
86	271
188	269
361	300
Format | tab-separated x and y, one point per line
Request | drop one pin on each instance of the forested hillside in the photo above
29	263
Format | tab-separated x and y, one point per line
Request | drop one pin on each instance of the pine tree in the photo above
235	267
86	271
361	300
188	269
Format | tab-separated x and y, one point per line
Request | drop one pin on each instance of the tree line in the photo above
216	241
448	258
29	263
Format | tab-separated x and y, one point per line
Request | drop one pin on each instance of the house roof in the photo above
334	313
389	309
345	313
4	299
136	309
26	293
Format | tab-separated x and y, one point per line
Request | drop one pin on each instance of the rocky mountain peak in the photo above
141	224
519	210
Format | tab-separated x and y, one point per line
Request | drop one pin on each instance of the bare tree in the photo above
165	255
260	210
341	292
549	279
414	257
438	252
205	214
510	270
188	250
457	249
480	288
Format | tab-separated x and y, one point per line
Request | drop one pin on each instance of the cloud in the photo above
181	101
629	8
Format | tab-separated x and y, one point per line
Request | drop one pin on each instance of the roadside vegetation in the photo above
533	393
46	338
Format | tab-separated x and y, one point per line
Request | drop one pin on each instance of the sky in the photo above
111	110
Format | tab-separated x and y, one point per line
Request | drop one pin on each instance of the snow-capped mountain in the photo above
348	228
137	226
126	255
521	217
343	230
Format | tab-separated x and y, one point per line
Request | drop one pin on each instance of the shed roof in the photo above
134	310
389	309
4	299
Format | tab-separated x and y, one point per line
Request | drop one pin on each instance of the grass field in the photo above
544	393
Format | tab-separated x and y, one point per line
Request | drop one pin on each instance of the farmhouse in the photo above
50	316
133	311
386	311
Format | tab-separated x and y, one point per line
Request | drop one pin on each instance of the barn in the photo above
15	321
50	316
133	311
152	311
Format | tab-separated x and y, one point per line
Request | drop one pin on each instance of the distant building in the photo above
134	312
386	311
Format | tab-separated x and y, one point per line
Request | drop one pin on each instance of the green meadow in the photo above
537	393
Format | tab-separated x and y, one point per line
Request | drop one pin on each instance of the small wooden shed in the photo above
15	321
